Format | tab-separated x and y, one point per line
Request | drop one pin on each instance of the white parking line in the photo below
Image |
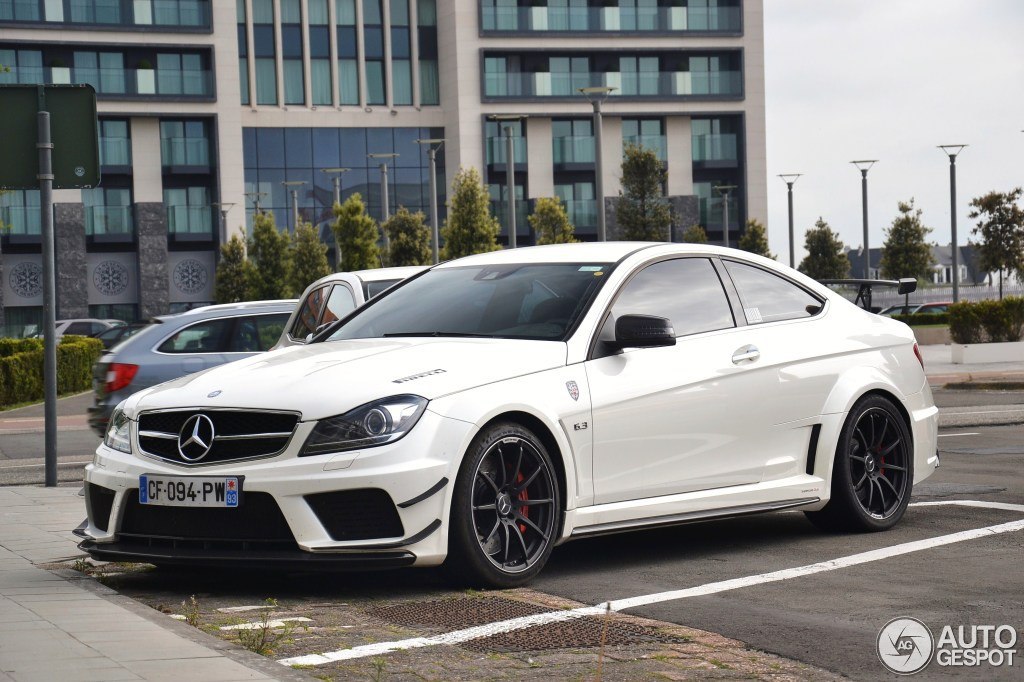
954	435
259	625
4	467
481	631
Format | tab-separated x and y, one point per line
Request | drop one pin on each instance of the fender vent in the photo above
812	448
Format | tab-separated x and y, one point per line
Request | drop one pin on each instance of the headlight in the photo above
377	423
119	432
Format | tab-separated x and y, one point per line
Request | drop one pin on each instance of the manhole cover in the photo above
579	633
455	613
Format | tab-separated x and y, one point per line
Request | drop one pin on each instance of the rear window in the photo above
371	289
766	297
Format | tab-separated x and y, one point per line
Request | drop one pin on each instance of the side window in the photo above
685	290
339	304
208	336
766	297
246	337
270	328
309	313
371	289
79	328
96	327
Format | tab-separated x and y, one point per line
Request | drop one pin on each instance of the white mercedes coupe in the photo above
492	407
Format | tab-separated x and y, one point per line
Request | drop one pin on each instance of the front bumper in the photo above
288	528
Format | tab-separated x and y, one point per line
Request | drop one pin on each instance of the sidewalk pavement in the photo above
62	625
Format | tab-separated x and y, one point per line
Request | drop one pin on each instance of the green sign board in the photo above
73	131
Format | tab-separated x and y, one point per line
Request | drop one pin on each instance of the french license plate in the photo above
190	491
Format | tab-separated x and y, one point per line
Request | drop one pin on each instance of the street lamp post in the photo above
597	95
336	174
433	145
385	209
790	179
724	190
224	207
254	197
864	166
952	150
293	186
510	170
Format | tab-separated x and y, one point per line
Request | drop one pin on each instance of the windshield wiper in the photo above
436	333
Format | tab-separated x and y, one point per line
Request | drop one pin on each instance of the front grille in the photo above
98	503
238	434
257	520
362	514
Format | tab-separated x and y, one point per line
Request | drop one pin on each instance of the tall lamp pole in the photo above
864	166
255	197
506	120
383	157
433	145
223	207
597	95
952	150
790	179
335	174
724	191
293	186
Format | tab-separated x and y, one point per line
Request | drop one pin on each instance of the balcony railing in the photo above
164	13
115	151
185	151
108	220
619	19
582	213
110	83
626	84
499	209
496	150
657	143
718	147
572	149
20	220
192	220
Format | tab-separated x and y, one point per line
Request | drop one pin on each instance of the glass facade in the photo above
623	16
717	161
108	213
115	143
167	14
277	155
647	133
661	75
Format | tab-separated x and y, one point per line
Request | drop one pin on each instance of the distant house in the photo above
942	271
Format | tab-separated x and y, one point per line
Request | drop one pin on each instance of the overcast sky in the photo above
890	80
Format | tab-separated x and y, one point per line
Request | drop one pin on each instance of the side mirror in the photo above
907	285
643	331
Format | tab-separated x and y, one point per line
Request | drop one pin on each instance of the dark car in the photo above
115	335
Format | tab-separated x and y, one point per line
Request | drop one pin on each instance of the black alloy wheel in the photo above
506	509
873	471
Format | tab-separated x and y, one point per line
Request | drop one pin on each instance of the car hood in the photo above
324	379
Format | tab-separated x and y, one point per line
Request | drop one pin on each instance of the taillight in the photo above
120	375
917	352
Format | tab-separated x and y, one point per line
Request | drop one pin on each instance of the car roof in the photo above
397	272
221	309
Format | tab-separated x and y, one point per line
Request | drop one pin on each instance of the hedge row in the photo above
923	318
987	321
21	367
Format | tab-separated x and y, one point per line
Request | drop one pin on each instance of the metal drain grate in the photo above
464	612
579	633
455	613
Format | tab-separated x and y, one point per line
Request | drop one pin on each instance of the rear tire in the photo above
506	509
873	472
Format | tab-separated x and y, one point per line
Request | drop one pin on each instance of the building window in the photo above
19	10
108	211
430	89
496	145
96	11
26	66
348	67
320	52
645	132
373	47
19	211
401	53
291	52
264	50
115	144
188	210
104	71
184	143
572	141
580	204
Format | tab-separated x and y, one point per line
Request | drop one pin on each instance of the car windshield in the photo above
520	301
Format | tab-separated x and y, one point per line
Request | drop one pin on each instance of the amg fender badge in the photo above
574	390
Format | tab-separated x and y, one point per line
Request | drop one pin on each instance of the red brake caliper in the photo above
523	495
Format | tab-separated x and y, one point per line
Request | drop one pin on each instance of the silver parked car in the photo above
333	297
176	345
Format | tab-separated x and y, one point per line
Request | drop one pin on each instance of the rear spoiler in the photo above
903	286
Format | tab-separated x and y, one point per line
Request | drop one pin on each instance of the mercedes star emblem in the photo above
195	438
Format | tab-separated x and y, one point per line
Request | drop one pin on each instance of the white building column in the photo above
539	161
679	143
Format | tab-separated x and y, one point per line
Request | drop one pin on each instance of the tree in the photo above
410	238
470	228
1001	229
236	276
695	234
905	252
825	258
642	211
269	253
309	258
550	222
755	239
357	234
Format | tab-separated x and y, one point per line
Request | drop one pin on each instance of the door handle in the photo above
746	354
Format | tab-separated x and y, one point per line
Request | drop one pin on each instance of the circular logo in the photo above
27	279
195	438
110	278
905	645
190	276
79	171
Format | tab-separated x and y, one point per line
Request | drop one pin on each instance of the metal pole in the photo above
725	218
510	172
337	202
223	226
384	192
952	217
792	250
295	209
599	164
433	202
337	188
864	202
45	147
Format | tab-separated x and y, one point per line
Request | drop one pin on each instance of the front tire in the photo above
873	472
506	509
